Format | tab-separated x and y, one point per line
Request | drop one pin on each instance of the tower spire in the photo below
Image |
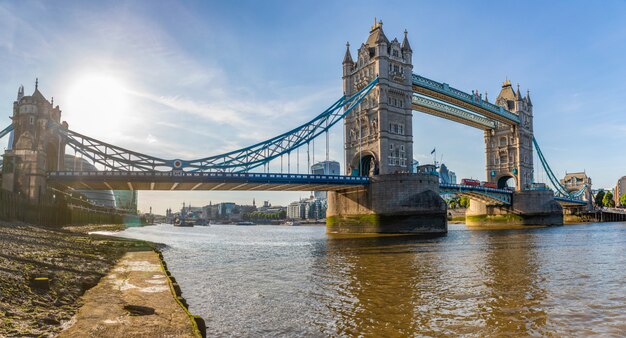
405	43
36	83
348	57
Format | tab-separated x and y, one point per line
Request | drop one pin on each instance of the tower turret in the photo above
407	52
36	145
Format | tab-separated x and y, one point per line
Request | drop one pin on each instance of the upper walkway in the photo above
457	105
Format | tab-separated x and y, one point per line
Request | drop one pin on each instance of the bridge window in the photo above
502	141
395	53
31	120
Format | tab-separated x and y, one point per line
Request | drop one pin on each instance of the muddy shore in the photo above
45	271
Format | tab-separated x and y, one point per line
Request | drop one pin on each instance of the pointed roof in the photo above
518	95
37	94
377	35
507	91
348	57
405	42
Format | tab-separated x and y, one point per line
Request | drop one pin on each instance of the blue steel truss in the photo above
489	195
242	160
560	191
6	130
445	89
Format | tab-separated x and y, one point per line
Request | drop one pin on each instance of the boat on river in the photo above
245	223
182	222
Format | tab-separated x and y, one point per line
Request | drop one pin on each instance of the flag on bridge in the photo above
432	152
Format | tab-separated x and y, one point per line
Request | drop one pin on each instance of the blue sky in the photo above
195	79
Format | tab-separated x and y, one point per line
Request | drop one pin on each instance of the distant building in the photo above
225	210
325	168
296	210
446	176
210	211
100	197
452	176
126	199
620	189
573	182
414	166
311	208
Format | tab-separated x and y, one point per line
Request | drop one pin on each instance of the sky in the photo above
190	79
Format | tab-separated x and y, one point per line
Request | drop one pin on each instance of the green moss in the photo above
353	220
509	218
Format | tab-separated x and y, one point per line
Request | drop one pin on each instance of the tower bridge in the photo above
377	193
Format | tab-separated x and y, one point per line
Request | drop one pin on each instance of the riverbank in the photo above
136	299
45	271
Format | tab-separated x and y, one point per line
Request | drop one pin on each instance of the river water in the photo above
298	281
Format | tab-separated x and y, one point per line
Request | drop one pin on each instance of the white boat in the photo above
244	223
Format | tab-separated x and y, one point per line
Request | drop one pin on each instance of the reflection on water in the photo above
272	280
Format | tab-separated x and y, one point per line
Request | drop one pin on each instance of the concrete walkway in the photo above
134	300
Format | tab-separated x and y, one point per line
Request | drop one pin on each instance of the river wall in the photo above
56	210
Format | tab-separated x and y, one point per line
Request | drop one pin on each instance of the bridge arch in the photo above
365	164
506	180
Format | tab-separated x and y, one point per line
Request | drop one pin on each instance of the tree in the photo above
622	200
599	198
464	202
607	200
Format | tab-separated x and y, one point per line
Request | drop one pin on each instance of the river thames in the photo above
299	281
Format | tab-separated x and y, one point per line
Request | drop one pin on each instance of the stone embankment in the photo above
44	273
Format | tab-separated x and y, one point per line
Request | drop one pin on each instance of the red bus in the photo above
469	181
490	185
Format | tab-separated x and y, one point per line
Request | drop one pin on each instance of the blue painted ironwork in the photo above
559	190
490	195
6	130
241	160
444	88
446	110
305	182
570	201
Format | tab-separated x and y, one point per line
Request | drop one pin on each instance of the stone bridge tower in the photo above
37	145
379	143
509	149
378	134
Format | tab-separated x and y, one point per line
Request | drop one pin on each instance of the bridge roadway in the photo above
181	181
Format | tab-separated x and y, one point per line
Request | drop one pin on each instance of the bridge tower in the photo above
37	146
378	134
509	154
379	143
509	149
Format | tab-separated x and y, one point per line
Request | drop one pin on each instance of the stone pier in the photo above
395	203
528	207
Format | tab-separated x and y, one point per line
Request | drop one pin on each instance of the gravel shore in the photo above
72	262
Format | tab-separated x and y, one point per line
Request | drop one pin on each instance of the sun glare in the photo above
96	101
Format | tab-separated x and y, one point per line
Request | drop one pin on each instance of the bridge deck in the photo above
181	181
